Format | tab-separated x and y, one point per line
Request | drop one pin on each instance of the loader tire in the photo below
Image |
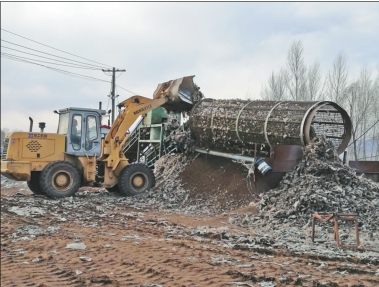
60	179
113	188
135	179
33	184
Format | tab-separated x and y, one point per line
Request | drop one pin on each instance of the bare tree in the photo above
360	98
275	90
314	83
374	121
376	115
296	82
337	80
366	96
352	93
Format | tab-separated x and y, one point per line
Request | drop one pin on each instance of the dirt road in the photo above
113	244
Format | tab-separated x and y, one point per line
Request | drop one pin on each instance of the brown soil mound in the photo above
206	184
218	181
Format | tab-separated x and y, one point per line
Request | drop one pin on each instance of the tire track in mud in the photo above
134	259
26	272
141	253
135	248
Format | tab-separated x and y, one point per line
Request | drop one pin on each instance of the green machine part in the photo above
156	116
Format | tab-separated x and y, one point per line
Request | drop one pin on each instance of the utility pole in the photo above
113	96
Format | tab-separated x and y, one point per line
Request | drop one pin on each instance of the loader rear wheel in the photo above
33	184
60	179
135	179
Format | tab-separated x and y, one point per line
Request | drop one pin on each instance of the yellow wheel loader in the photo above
58	164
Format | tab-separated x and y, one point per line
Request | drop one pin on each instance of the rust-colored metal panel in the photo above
284	157
282	160
365	166
369	169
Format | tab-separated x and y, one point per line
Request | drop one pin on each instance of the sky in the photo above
230	47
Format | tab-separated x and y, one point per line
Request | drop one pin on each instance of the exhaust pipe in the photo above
42	126
31	124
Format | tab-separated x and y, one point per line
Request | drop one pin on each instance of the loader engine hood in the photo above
182	94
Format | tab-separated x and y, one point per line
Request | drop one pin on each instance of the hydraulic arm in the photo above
115	140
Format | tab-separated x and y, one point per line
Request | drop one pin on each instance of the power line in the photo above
118	100
119	75
45	53
94	67
53	47
59	70
364	133
28	60
25	58
110	75
127	90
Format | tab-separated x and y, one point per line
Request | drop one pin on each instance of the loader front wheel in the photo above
113	188
135	179
60	179
33	184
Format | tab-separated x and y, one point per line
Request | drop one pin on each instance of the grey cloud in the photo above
230	47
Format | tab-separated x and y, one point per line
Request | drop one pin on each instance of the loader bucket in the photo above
182	94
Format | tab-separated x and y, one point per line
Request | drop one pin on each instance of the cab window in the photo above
63	124
91	134
76	131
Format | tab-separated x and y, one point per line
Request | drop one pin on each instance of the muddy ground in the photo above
102	239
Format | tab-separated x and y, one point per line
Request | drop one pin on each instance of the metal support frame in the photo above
237	120
266	122
227	155
158	142
324	217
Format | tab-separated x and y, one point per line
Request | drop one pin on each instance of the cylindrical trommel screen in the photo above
237	126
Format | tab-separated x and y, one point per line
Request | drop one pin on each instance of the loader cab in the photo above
82	129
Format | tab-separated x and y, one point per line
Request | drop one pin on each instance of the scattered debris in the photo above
272	224
76	246
319	183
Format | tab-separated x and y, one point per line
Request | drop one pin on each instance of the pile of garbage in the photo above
169	192
320	182
281	218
